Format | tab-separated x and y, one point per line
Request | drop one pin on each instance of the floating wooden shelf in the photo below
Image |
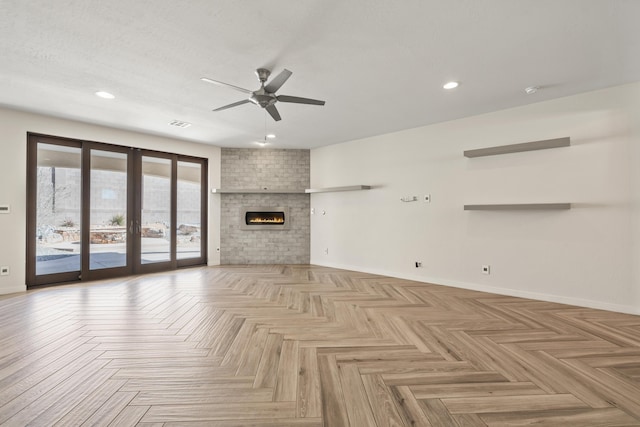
258	191
334	189
517	148
519	207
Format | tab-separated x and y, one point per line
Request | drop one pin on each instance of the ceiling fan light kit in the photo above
266	96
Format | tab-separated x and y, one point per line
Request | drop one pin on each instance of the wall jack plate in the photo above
4	271
427	198
486	269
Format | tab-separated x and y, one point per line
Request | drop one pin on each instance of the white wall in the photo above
14	126
587	256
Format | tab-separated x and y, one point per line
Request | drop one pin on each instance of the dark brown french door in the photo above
98	210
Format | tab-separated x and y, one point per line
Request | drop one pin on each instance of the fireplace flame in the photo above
266	220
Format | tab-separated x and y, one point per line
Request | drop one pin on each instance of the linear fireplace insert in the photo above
269	218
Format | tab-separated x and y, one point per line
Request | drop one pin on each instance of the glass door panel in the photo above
189	210
155	228
96	211
58	209
108	210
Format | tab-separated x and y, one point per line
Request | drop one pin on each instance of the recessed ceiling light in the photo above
105	95
450	85
271	136
531	90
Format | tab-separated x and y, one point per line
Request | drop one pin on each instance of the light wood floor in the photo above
309	346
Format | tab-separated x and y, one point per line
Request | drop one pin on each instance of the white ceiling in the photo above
379	64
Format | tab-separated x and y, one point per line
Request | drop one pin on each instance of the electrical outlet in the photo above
4	271
427	198
313	211
418	264
486	269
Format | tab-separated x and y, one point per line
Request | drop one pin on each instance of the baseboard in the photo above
579	302
5	290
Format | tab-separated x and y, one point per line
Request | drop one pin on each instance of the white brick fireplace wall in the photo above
253	169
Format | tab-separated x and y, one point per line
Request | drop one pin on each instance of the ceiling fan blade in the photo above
298	100
235	104
274	112
277	82
215	82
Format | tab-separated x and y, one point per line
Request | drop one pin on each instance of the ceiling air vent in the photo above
179	123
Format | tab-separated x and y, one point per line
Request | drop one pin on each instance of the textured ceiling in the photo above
379	65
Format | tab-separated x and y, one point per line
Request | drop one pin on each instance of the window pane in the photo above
108	210
156	210
189	201
58	209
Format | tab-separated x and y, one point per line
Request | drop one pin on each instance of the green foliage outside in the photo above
117	220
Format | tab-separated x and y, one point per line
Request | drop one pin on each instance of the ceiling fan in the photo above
266	96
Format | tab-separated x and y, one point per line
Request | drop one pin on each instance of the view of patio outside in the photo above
59	212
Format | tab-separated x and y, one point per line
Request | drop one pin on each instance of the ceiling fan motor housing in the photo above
263	98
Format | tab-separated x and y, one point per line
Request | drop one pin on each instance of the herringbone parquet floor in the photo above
309	346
